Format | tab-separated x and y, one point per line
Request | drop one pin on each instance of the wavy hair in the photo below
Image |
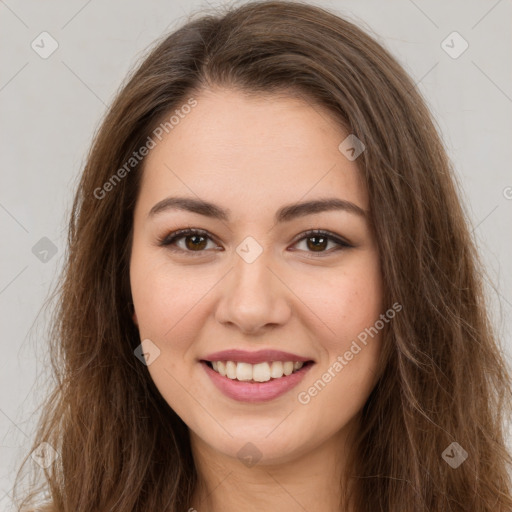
443	377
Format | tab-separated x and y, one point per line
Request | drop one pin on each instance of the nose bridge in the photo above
253	296
251	275
252	267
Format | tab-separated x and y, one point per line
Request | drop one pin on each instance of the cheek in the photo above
157	295
352	302
337	391
169	301
352	312
352	347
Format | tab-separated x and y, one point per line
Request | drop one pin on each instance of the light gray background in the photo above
51	107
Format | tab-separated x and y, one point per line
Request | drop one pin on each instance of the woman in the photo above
272	300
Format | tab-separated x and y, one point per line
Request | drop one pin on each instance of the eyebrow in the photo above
284	214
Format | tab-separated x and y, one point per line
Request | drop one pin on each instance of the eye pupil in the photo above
320	245
194	245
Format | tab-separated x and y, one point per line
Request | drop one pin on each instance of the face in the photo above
250	278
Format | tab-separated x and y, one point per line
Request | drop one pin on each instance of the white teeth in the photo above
221	368
261	372
276	370
288	368
243	371
231	369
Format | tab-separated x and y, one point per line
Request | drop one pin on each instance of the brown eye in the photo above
317	241
319	244
196	241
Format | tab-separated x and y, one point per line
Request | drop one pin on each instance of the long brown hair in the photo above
443	379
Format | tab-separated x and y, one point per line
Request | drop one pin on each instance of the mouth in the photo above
257	373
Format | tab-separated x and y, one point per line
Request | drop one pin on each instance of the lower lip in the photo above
256	391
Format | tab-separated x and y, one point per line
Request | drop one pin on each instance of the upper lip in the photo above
259	356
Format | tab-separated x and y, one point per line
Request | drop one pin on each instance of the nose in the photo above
254	298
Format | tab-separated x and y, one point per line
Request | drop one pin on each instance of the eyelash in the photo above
171	238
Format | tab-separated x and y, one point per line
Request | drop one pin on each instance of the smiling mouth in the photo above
257	373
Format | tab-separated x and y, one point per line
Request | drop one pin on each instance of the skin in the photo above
252	156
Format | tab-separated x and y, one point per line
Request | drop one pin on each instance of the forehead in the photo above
251	150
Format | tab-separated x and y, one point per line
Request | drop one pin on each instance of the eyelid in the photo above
167	240
322	232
